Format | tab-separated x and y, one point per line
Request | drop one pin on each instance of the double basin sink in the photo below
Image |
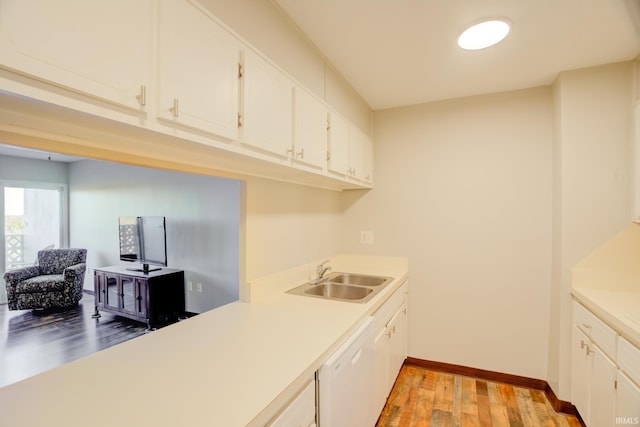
344	287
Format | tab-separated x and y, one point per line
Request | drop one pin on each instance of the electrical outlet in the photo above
366	237
190	286
199	287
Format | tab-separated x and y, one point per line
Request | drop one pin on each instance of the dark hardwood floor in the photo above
35	341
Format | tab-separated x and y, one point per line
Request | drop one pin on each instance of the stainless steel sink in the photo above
343	287
334	290
358	279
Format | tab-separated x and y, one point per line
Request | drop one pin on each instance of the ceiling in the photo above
404	52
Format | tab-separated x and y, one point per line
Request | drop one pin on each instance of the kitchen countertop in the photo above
619	308
232	366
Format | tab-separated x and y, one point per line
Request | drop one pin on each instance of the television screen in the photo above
143	239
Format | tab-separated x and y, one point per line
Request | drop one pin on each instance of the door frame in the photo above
64	218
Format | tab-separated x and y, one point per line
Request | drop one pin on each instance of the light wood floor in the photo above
422	397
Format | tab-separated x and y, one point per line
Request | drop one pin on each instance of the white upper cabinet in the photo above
197	70
360	155
338	145
350	151
267	118
310	129
97	48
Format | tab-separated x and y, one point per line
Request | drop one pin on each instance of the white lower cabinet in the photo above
604	365
603	389
627	401
301	412
390	345
628	386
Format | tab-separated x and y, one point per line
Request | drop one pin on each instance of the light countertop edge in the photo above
613	307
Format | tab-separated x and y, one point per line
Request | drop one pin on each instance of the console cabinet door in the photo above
99	289
267	123
112	294
142	298
94	47
197	70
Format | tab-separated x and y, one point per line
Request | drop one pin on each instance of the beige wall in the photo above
289	225
463	188
592	185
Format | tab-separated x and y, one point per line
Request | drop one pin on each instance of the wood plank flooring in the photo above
422	397
32	342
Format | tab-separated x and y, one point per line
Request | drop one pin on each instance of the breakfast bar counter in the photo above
232	366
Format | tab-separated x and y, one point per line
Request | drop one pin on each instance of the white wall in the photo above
202	216
592	185
23	169
463	188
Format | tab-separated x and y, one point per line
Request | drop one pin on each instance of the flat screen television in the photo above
143	239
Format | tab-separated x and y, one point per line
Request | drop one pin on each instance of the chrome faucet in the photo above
321	271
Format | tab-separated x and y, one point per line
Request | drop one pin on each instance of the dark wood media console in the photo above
156	297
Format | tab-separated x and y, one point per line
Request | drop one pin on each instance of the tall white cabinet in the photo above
101	49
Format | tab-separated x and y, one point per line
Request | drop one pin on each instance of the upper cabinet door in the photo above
360	155
267	122
97	48
338	145
197	70
310	129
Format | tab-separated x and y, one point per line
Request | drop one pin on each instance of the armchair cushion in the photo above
49	282
20	274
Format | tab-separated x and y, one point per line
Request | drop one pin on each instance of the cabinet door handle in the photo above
582	344
300	153
175	112
142	96
589	351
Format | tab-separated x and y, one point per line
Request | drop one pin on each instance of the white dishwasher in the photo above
346	382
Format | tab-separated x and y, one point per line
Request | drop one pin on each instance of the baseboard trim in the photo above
516	380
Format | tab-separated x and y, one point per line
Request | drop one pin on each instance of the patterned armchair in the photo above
57	280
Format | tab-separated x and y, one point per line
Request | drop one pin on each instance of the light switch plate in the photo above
366	237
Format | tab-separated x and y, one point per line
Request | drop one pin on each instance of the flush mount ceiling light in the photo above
484	34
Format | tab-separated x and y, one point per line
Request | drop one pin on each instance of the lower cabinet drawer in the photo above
601	334
629	359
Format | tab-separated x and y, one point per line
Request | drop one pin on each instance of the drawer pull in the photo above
584	325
